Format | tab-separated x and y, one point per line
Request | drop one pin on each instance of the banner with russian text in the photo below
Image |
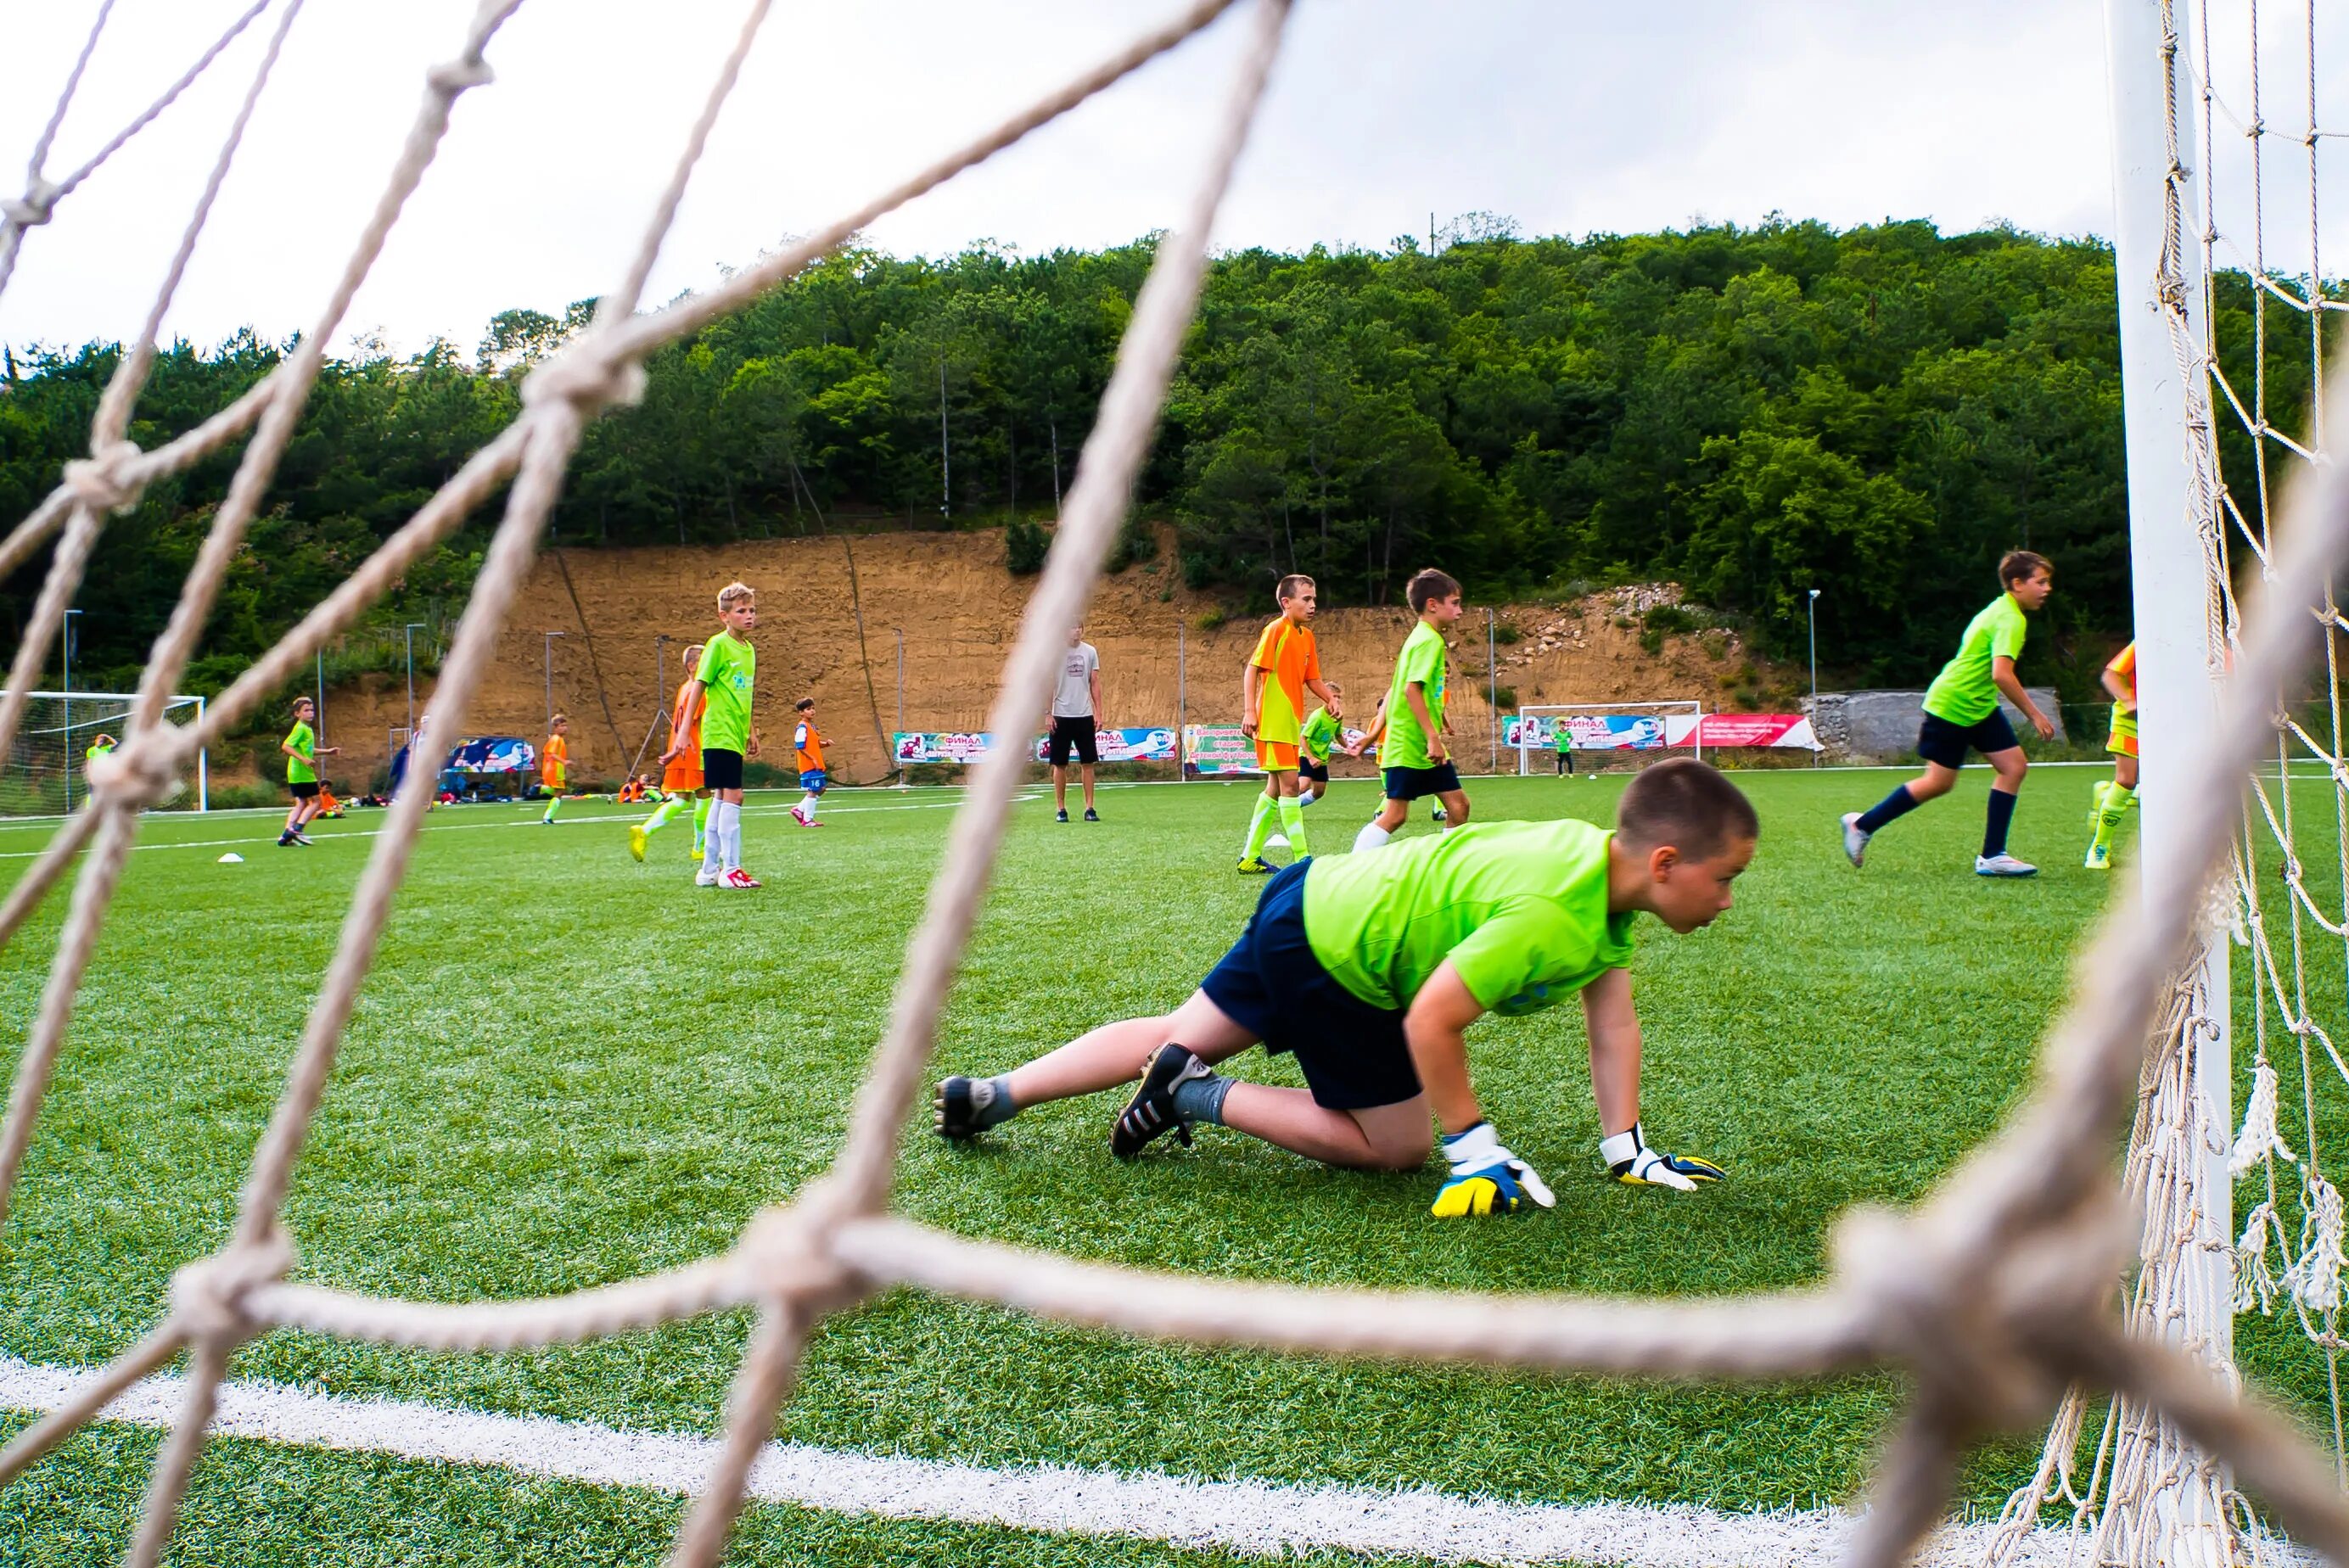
1218	749
941	745
1123	745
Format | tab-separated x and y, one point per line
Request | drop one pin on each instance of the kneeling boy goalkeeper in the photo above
1371	969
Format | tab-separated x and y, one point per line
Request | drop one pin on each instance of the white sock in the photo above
1370	838
733	837
1304	799
807	807
713	841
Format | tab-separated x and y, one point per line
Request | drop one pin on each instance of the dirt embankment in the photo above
1164	654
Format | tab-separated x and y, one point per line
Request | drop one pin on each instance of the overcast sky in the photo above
1567	116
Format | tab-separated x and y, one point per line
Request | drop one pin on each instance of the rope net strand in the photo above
1991	1297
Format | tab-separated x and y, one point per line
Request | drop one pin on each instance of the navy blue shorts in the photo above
1939	740
722	770
1353	1055
1317	771
1410	783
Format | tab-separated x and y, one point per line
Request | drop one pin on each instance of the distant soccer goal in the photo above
1603	727
53	746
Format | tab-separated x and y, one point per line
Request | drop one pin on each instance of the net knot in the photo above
138	775
104	482
787	1252
208	1297
589	377
35	207
451	78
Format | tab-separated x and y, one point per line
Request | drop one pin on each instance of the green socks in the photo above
1259	828
701	819
1292	822
662	814
552	807
2111	807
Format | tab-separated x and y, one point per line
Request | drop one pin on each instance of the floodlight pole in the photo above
322	692
409	633
547	657
1182	704
900	705
1493	685
1813	608
2179	703
69	705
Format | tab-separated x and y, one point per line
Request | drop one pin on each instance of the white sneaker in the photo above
2003	866
705	878
1854	838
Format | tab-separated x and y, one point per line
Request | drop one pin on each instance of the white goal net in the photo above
1602	728
59	734
1987	1298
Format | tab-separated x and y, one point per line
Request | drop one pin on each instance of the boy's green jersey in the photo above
1421	660
1963	692
1519	908
1562	733
302	769
1319	734
728	664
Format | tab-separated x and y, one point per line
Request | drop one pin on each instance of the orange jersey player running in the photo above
555	765
680	766
1284	667
807	745
2112	798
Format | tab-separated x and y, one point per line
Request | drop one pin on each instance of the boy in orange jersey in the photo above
555	765
680	766
809	752
1284	667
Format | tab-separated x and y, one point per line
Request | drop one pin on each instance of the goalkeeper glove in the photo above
1630	1161
1487	1178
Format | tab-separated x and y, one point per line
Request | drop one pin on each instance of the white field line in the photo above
1259	1519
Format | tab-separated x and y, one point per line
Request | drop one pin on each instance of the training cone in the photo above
232	858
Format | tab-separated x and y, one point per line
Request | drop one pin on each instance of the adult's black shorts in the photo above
722	770
1073	733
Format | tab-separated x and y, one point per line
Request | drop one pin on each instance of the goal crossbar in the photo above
53	738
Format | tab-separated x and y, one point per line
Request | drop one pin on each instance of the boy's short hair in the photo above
302	702
804	703
734	591
1687	804
1288	587
2017	565
558	719
1426	587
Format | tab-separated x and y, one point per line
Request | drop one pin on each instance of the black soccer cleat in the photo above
957	1116
1091	815
1150	1115
1061	815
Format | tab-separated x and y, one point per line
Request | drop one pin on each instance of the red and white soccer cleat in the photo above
738	880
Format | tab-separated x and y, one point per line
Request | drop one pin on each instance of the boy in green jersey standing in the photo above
301	751
721	683
1412	758
1370	968
1320	735
1962	712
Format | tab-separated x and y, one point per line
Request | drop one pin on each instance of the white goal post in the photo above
1533	727
43	777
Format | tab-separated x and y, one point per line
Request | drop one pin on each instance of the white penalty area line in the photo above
1259	1519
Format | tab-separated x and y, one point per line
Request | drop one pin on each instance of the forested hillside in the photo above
1876	412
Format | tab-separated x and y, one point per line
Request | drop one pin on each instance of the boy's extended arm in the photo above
1415	693
1614	1029
2123	692
2001	672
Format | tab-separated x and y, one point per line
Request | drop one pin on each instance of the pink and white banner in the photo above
1787	729
1655	732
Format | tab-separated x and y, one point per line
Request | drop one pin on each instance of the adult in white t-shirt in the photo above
1076	717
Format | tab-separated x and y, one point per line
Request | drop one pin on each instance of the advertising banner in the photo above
1123	745
1213	750
1654	732
1143	744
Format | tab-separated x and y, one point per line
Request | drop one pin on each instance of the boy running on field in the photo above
555	765
1284	667
1370	968
808	745
680	765
721	686
2111	801
1413	756
301	751
1962	711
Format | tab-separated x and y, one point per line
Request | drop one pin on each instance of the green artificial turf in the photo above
568	1068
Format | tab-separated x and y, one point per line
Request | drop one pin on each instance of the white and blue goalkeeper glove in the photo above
1487	1178
1630	1161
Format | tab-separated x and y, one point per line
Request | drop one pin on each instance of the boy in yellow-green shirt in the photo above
1370	968
301	751
721	684
1961	713
1412	758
